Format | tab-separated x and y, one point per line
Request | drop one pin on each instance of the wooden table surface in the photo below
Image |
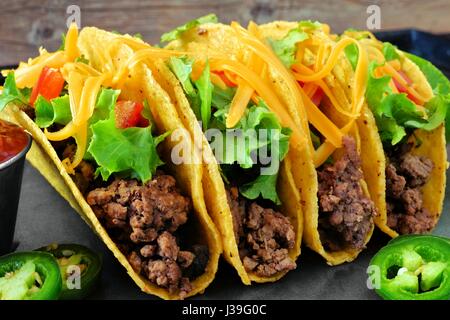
27	24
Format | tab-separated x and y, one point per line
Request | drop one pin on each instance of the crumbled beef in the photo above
135	261
405	175
263	235
29	111
148	250
345	213
200	260
167	246
395	184
84	172
185	258
165	273
416	168
143	219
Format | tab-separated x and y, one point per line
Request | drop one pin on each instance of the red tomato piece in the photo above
49	85
128	114
225	79
317	96
402	89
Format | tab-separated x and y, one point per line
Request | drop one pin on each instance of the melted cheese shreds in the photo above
70	44
388	69
65	133
142	55
80	68
75	84
321	122
265	92
81	140
28	74
88	98
239	103
244	92
331	62
217	81
360	80
326	149
267	55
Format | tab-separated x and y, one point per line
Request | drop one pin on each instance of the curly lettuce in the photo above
395	113
240	145
12	94
130	152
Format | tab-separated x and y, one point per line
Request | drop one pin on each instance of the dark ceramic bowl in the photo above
10	183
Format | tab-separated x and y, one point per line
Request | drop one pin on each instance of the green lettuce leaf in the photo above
437	80
11	93
205	89
63	42
106	101
199	92
244	142
55	111
285	48
182	68
309	24
436	109
130	151
177	32
352	54
138	36
264	186
222	97
440	85
390	51
277	142
395	112
82	59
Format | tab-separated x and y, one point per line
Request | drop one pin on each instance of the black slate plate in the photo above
45	217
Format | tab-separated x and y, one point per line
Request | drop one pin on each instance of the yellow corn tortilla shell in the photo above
306	178
221	40
433	146
140	84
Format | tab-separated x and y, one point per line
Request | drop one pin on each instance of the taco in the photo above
253	201
98	118
403	132
339	211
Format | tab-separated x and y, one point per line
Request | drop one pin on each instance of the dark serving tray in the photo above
44	217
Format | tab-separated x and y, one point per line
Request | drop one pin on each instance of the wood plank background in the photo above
27	24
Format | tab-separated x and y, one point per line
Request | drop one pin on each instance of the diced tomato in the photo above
128	114
225	79
317	96
404	76
49	85
402	89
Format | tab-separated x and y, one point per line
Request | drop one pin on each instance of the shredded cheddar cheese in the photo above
314	115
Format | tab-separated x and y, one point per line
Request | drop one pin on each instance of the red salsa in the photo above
13	140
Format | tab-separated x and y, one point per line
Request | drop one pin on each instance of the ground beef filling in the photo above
345	213
142	220
405	175
263	235
83	174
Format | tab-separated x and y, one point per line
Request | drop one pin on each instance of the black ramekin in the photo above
10	184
